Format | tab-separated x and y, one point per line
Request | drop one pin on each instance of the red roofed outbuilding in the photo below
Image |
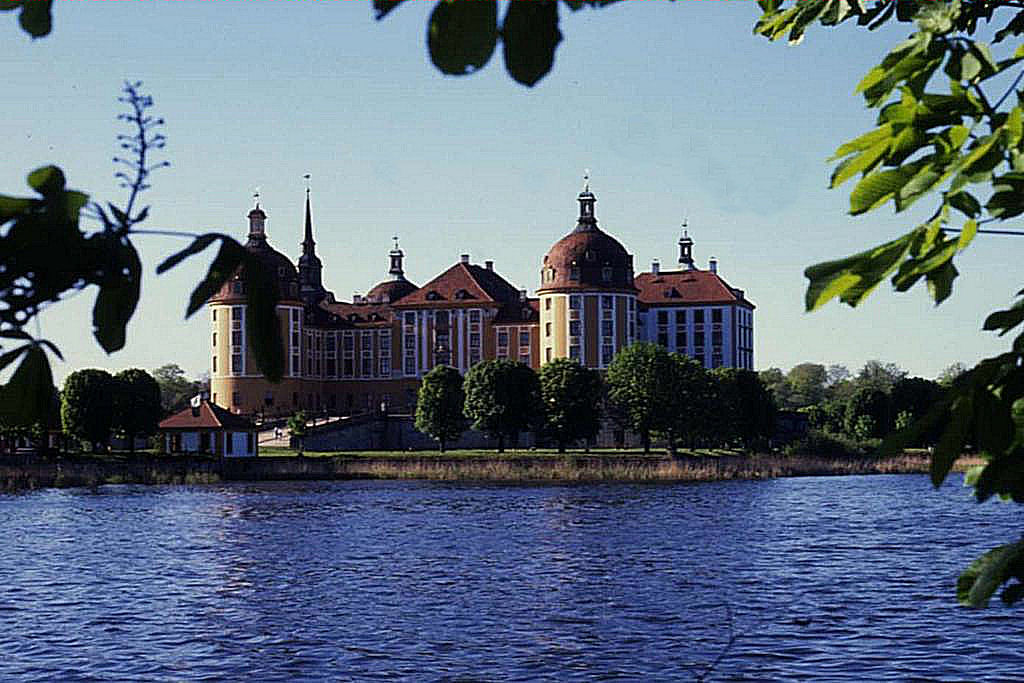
208	428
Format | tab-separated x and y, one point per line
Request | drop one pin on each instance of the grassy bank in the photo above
25	473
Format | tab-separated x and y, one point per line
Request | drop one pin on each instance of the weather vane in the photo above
395	238
307	182
586	180
256	196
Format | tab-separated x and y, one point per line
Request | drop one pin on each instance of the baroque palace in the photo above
347	357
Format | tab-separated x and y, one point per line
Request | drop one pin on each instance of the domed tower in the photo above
235	381
396	286
587	296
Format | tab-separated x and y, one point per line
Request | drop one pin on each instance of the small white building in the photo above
207	428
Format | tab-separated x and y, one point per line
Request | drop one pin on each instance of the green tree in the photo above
298	428
746	407
778	384
950	374
175	388
638	386
870	403
87	406
502	398
136	405
693	408
807	382
571	394
439	405
880	376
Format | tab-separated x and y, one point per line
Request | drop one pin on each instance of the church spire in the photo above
310	267
257	223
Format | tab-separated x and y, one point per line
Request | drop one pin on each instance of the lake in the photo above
839	579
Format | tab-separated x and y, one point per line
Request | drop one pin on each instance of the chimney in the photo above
655	267
355	297
489	265
522	295
713	264
464	258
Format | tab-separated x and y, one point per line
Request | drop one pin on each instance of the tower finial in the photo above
586	180
256	196
307	183
395	238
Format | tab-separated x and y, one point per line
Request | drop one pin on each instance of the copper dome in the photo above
587	258
390	290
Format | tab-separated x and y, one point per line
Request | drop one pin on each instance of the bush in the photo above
824	444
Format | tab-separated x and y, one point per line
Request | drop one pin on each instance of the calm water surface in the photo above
845	579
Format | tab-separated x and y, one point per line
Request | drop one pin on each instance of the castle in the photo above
348	357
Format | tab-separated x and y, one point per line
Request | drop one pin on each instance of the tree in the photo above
175	388
297	429
502	398
693	410
136	404
807	383
878	375
87	406
868	414
950	374
747	410
835	374
637	384
777	383
571	394
439	405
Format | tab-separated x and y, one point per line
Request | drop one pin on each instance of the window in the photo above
547	304
214	340
574	328
574	273
502	338
524	357
229	442
474	340
248	442
716	315
607	303
574	351
236	364
237	287
606	274
236	398
698	316
474	316
663	317
606	328
385	367
214	365
547	329
606	354
547	355
215	314
575	302
524	337
410	318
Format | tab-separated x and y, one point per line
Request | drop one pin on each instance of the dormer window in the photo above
432	295
606	273
463	294
590	255
574	272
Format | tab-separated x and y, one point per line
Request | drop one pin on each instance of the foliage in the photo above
868	414
136	404
746	410
34	275
502	398
175	388
439	405
87	406
297	425
638	386
950	374
571	394
819	443
958	137
807	383
695	408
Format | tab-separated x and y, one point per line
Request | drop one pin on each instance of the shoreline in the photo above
22	473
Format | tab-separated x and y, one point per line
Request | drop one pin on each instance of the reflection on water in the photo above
838	579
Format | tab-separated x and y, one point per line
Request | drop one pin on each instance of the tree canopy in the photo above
439	405
87	406
572	395
502	398
136	404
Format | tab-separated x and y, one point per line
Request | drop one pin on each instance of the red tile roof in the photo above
521	312
679	287
361	315
210	416
463	284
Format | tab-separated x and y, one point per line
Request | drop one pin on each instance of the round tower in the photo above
236	382
587	295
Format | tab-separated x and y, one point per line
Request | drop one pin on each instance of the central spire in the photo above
310	267
586	221
396	255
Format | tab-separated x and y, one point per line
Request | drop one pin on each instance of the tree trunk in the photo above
645	439
441	444
561	446
501	443
131	444
671	442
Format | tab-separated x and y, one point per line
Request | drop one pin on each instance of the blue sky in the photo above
676	108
